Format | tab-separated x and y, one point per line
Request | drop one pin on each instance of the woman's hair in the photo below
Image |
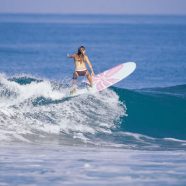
79	50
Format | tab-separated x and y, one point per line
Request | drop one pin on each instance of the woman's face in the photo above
82	51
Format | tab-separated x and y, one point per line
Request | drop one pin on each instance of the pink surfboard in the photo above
108	78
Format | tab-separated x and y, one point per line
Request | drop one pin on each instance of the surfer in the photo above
80	60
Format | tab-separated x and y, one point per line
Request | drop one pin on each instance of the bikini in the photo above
80	72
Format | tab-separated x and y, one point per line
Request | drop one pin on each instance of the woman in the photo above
80	60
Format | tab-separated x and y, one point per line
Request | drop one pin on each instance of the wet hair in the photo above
79	50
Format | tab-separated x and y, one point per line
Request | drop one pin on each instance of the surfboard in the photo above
107	78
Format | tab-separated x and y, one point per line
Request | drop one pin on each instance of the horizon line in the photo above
91	14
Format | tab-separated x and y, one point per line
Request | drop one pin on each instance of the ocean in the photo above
133	133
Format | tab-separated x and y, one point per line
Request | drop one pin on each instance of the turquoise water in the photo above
128	133
157	112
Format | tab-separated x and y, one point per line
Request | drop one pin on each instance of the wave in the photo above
34	109
30	108
157	112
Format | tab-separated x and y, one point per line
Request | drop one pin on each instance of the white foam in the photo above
174	139
28	91
85	114
77	165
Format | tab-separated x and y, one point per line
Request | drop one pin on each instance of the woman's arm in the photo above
90	65
71	56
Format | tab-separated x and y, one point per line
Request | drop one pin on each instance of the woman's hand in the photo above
92	74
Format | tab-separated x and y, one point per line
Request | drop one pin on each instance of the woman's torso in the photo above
80	64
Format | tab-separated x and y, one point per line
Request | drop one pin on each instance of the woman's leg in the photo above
74	79
89	78
74	82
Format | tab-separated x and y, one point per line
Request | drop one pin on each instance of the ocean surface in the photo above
133	133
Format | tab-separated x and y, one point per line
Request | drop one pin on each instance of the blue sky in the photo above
94	6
